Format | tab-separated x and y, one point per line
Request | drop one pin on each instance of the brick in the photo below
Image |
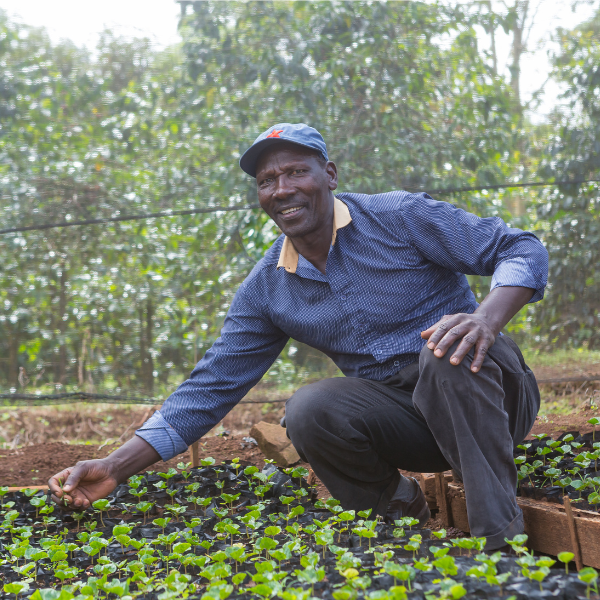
274	443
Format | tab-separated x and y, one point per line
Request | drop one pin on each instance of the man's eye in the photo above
298	171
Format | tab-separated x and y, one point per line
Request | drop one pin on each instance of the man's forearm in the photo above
478	329
502	304
131	458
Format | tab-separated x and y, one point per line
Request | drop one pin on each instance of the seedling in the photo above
38	502
175	510
101	506
406	522
16	588
323	538
229	499
589	576
184	468
172	493
537	575
144	508
162	523
446	565
518	543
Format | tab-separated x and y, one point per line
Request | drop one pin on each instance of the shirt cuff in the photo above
517	273
161	436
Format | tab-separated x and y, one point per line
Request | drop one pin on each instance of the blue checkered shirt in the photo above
396	265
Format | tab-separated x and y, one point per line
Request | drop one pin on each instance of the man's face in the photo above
294	188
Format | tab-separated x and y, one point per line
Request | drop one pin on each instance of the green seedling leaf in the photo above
238	578
296	512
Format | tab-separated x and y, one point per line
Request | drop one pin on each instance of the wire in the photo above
196	211
164	213
66	398
510	185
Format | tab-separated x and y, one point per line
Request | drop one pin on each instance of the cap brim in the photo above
250	157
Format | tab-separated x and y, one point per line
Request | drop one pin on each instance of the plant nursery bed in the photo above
559	493
230	531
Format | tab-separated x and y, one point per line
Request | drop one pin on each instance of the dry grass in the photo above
110	424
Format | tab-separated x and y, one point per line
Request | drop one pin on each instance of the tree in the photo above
570	313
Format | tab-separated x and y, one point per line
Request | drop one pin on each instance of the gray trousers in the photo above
430	417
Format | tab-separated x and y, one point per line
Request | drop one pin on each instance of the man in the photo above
366	279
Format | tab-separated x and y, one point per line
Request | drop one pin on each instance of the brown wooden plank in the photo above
427	483
441	494
458	507
27	487
546	524
575	547
194	453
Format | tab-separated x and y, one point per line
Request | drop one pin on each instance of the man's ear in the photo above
332	175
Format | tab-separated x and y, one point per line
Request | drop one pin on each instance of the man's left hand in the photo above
471	329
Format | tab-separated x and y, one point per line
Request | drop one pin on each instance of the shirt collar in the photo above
288	258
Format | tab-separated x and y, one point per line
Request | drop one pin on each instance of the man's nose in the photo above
283	188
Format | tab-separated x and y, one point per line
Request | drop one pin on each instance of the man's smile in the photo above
290	212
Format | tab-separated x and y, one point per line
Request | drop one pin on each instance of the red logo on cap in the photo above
275	133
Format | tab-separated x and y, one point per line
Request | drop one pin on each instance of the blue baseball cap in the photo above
296	133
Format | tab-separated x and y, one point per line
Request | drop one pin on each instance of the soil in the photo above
571	369
198	550
47	459
39	441
556	424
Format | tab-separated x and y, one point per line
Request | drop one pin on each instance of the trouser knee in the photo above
437	374
307	412
432	365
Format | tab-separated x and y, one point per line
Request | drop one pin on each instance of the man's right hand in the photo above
78	487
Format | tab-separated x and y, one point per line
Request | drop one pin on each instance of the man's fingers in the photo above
76	473
463	348
73	501
480	352
451	336
436	332
428	332
55	483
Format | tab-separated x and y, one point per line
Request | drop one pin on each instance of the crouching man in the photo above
376	282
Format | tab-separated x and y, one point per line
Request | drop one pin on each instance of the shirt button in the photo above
343	296
379	351
396	363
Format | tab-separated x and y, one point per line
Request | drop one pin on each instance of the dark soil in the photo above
195	551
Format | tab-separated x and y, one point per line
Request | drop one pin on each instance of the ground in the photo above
39	441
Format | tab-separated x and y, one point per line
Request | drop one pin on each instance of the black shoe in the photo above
416	508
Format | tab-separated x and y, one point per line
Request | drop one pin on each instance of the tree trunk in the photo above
81	369
143	358
149	341
62	326
195	342
521	9
13	356
493	41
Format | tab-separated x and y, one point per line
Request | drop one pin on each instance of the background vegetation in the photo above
405	96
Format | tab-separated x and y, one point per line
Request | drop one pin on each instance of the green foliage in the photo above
400	91
405	99
572	234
